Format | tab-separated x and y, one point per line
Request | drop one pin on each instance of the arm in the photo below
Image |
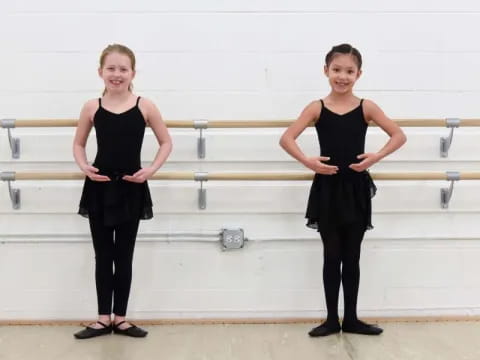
288	143
84	126
154	119
397	137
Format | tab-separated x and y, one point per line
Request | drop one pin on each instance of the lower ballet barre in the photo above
445	193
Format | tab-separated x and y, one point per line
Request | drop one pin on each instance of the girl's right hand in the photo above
315	164
91	172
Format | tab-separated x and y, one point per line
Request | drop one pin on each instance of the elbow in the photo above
167	145
399	137
77	147
282	142
403	138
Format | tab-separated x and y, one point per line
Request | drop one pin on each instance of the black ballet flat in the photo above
324	330
133	331
90	332
359	327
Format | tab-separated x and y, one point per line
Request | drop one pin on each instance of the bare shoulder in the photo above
309	116
370	105
146	103
149	110
90	108
91	104
313	110
371	110
315	106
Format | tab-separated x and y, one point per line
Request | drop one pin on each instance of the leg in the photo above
331	271
103	244
331	280
125	236
352	236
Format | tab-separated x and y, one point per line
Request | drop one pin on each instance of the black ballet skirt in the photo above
345	197
119	143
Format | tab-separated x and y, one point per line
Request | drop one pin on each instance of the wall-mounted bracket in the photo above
14	142
9	176
446	142
201	124
202	193
446	193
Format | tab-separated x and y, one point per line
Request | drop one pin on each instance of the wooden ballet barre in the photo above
445	193
202	124
177	175
245	176
232	123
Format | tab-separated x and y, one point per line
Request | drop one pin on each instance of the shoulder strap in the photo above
138	100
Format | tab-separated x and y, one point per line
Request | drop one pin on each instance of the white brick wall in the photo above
242	60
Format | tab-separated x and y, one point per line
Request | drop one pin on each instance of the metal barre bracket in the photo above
446	142
9	176
14	142
202	193
446	193
201	124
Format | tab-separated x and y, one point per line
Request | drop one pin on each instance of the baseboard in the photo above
214	321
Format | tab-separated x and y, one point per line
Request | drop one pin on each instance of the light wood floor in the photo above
405	341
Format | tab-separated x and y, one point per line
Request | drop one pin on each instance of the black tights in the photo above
341	257
113	246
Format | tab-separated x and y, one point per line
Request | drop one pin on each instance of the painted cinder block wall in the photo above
251	60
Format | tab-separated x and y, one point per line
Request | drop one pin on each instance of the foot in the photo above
325	329
129	329
96	329
359	327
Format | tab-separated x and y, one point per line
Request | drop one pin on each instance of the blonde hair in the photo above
121	49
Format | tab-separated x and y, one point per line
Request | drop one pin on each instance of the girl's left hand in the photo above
140	176
368	160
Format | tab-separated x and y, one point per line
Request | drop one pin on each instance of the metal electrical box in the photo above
233	239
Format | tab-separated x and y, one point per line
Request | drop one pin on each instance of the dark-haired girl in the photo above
339	205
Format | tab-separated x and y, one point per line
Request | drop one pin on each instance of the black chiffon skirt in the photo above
116	201
341	199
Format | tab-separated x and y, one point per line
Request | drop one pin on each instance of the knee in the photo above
350	266
104	259
123	264
332	260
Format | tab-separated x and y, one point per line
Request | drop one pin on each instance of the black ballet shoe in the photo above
359	327
90	332
325	329
133	331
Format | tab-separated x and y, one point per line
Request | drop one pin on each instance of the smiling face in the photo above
342	73
117	72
